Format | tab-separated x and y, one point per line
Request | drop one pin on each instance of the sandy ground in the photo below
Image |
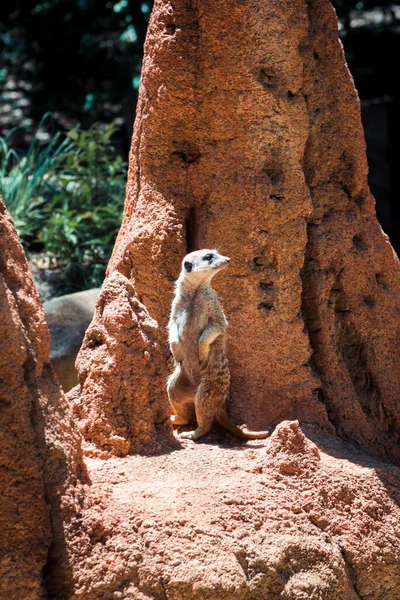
285	517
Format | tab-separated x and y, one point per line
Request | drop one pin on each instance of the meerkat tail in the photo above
222	418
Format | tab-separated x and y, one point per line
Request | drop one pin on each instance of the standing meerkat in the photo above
197	338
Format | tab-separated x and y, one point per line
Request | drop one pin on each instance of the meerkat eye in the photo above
188	266
208	257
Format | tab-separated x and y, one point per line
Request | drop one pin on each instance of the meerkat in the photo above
198	341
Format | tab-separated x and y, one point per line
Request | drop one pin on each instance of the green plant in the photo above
66	198
85	212
24	183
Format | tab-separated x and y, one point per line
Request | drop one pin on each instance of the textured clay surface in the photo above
121	402
39	453
248	137
300	516
24	516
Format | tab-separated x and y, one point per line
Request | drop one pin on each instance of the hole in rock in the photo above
341	311
170	29
360	200
94	342
267	79
275	175
191	234
268	306
318	394
369	301
359	243
334	295
257	262
266	286
328	216
381	281
98	537
186	152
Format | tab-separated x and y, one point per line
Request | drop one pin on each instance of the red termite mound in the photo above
121	403
25	533
40	460
248	137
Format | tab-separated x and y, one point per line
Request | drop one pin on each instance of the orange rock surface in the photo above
299	516
248	137
42	473
24	517
121	402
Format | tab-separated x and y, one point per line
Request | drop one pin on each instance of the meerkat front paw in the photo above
203	353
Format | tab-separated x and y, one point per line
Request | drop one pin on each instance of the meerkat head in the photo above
202	265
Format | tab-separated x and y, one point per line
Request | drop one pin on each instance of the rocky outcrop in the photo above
121	402
351	275
67	318
40	465
248	137
25	535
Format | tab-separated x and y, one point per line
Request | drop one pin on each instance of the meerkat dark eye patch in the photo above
188	266
208	257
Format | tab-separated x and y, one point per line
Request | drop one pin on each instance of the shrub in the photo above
85	213
66	199
24	183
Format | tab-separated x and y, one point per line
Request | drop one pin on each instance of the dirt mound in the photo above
121	403
224	519
24	519
254	144
40	451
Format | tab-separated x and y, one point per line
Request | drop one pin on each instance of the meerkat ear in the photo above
188	266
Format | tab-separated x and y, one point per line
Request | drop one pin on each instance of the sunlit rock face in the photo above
120	404
24	516
248	138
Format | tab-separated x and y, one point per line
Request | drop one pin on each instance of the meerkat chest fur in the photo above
194	311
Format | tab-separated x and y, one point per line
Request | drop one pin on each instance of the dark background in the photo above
81	60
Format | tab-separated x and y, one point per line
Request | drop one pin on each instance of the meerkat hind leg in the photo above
194	435
183	413
204	414
181	397
204	422
179	420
